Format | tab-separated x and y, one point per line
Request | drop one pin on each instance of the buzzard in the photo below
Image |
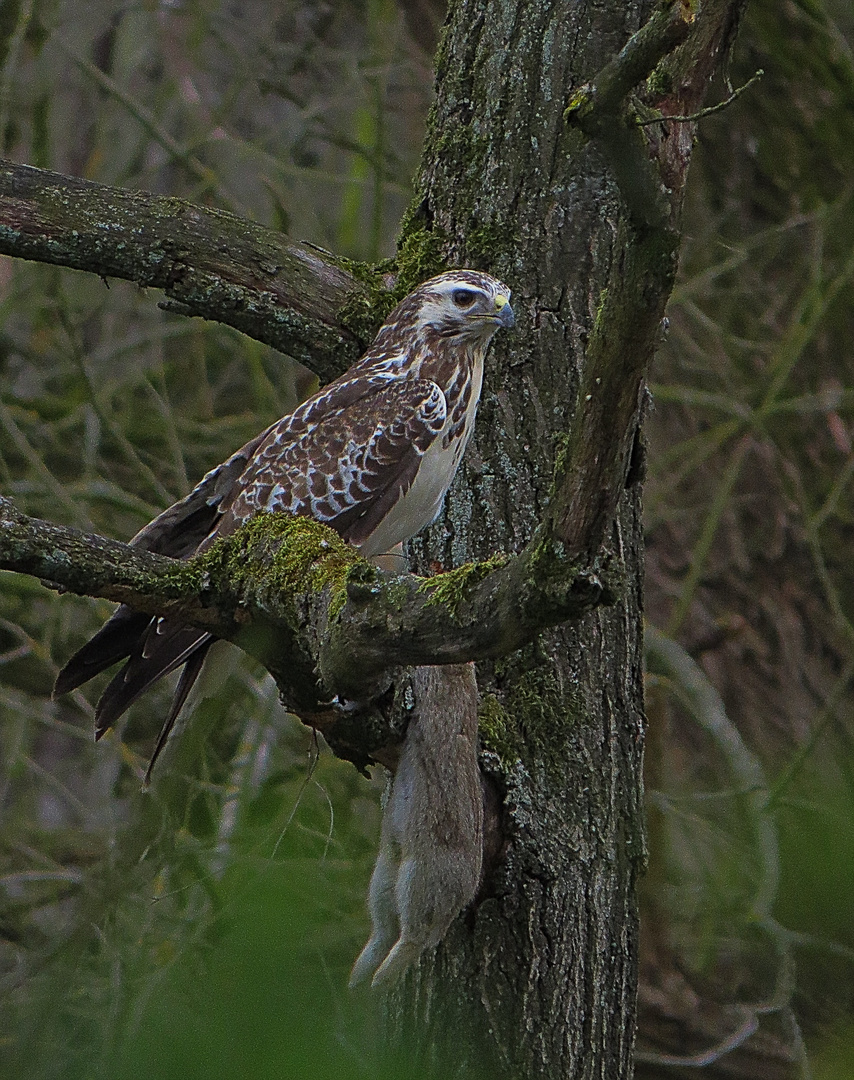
372	455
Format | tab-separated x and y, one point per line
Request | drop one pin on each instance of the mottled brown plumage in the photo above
372	455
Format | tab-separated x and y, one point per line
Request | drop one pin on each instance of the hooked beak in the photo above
504	313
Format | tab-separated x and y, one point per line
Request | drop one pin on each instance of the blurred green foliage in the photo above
749	525
228	958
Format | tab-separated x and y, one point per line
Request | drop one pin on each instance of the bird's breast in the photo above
421	503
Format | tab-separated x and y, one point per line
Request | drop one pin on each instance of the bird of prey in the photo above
372	455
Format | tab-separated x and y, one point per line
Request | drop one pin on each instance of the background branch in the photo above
593	468
209	263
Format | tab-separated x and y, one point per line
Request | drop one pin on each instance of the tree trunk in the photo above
542	977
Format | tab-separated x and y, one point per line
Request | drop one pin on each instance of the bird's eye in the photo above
463	297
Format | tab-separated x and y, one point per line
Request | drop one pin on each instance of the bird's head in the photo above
463	304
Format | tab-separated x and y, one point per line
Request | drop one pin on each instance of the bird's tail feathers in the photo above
115	640
153	647
192	669
161	648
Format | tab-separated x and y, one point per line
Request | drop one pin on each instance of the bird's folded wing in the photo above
348	466
178	531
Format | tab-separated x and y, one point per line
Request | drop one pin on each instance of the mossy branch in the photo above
208	262
599	109
325	623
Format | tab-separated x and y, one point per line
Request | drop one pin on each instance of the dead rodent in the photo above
431	845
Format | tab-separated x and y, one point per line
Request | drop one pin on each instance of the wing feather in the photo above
178	532
162	647
192	669
180	529
114	641
350	465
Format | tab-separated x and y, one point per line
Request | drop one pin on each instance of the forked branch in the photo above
595	461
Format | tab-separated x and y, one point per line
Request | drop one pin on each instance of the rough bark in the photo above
544	972
208	262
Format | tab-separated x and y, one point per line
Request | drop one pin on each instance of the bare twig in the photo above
666	657
701	114
195	168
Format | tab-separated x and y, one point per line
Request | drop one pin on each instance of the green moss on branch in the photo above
453	587
304	556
